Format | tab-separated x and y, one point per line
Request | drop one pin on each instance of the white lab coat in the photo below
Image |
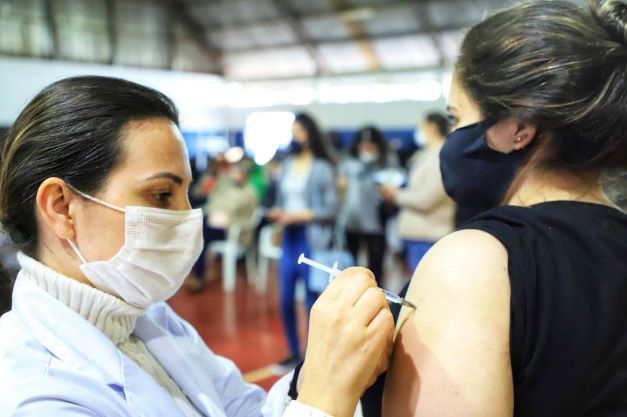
55	363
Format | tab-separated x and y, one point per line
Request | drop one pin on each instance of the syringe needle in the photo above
390	296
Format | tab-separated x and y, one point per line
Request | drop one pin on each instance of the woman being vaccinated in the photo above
522	313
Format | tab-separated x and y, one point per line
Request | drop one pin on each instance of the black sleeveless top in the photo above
568	333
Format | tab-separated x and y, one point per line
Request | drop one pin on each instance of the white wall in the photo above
199	97
402	114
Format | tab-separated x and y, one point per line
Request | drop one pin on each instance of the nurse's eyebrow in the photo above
169	175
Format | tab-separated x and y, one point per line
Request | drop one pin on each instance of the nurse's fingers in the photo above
368	305
350	284
355	286
381	328
381	331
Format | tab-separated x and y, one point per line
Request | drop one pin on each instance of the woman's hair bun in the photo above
612	15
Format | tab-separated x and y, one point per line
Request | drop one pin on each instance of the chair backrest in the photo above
267	248
235	230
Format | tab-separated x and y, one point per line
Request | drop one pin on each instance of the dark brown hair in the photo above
70	130
441	122
374	135
317	141
6	287
560	67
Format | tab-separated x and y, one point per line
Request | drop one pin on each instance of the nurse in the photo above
93	191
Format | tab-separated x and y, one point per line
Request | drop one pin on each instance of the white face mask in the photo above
419	139
368	157
160	248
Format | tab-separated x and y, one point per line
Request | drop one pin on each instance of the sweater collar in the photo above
111	315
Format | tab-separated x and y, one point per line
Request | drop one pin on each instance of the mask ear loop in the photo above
95	200
76	251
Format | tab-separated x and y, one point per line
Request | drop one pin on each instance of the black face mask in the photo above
474	175
295	147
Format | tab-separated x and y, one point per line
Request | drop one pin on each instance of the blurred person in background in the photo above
232	201
272	173
8	253
306	207
522	312
206	181
258	179
8	270
426	211
203	181
106	233
364	213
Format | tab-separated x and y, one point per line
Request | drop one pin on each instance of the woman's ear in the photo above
510	135
525	134
53	203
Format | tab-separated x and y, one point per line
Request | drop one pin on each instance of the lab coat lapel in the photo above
75	341
140	386
189	370
65	334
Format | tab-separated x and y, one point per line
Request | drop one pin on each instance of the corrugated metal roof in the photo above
244	39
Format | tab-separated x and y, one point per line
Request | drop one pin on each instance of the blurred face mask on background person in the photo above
159	251
419	139
296	147
368	157
473	174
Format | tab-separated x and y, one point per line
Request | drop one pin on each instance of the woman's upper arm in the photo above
451	356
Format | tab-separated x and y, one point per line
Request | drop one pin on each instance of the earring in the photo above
518	140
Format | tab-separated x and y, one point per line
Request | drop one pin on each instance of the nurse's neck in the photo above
57	255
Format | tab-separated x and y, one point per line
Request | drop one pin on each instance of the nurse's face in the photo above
154	172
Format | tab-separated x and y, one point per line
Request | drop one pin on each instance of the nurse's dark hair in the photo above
71	130
6	286
560	67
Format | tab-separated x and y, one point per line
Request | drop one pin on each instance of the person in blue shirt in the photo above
306	208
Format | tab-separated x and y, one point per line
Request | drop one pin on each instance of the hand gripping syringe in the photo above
333	271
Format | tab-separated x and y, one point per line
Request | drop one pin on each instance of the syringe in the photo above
333	271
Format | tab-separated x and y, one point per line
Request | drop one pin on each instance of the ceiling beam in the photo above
341	40
421	11
308	77
345	9
295	22
358	33
111	30
196	30
52	28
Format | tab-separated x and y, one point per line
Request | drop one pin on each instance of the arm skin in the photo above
451	356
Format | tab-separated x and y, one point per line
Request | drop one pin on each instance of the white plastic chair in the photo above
267	251
231	250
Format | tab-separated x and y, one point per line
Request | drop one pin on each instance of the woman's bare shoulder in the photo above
451	354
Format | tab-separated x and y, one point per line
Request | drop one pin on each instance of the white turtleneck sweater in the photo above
114	317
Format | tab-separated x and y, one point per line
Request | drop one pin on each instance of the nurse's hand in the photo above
350	340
